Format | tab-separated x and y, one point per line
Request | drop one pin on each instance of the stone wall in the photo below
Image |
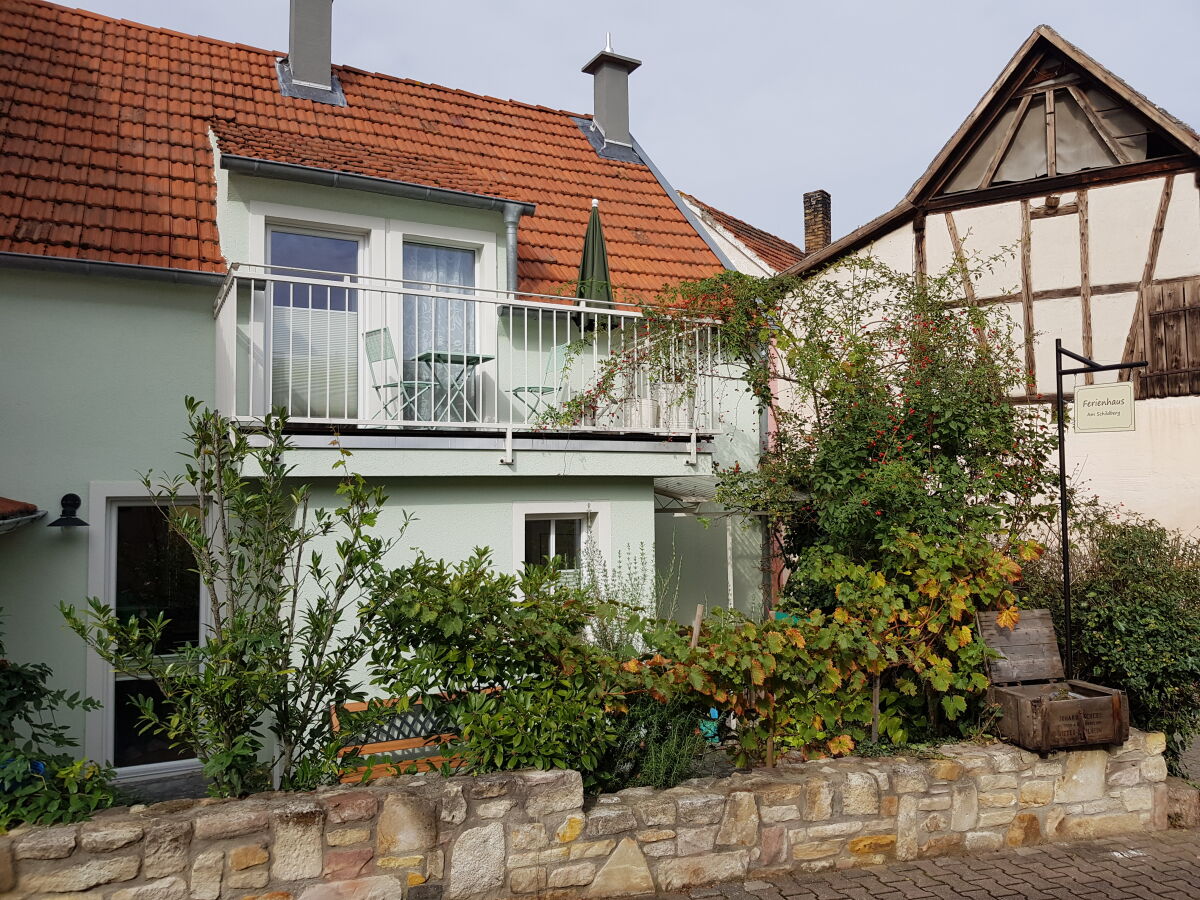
529	833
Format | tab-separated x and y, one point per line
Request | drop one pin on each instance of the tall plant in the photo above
1135	621
278	648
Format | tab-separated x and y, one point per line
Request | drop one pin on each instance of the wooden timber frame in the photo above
1042	198
1040	708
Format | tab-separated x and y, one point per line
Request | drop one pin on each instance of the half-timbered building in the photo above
1089	192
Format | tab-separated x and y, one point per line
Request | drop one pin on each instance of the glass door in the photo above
439	341
314	327
153	572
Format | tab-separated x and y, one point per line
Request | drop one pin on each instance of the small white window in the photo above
570	530
554	537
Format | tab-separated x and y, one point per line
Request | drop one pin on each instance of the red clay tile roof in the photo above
10	509
774	251
105	153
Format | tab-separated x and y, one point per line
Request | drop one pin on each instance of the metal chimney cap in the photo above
608	58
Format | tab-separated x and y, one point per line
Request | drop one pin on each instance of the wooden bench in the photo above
403	741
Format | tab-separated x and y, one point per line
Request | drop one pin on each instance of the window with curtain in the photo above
436	324
314	328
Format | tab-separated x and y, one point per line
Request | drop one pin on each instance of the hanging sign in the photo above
1104	407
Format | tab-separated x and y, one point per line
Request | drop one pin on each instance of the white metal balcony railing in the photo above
371	352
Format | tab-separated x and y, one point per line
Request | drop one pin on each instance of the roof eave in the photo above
69	265
855	239
265	168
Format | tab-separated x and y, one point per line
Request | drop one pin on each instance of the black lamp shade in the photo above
68	519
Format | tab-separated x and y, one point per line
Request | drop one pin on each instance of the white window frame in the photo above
104	499
596	516
383	257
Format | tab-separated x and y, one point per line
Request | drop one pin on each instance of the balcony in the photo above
369	353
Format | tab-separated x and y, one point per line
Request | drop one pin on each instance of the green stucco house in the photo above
388	260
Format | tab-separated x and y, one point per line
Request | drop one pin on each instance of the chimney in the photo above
610	87
817	221
309	43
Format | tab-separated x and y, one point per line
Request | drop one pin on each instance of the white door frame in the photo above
104	497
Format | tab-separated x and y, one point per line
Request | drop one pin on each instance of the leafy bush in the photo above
783	692
658	744
894	655
279	652
504	659
39	783
1135	615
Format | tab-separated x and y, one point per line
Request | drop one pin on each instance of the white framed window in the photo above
314	332
439	336
566	530
556	537
304	352
140	568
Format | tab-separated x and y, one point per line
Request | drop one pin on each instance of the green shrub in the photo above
1135	615
504	659
39	782
658	744
254	696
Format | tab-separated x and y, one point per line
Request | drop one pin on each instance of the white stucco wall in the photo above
1153	470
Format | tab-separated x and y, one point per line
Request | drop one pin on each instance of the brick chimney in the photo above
610	91
817	221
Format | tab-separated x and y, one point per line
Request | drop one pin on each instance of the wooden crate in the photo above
1040	709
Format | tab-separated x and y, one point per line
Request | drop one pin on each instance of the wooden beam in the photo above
1085	280
920	259
1005	143
1040	187
1027	297
961	259
1051	165
1119	287
1118	152
1046	212
1139	328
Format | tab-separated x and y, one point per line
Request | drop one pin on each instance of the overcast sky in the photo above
745	103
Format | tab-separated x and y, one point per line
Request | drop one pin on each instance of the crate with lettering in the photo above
1040	708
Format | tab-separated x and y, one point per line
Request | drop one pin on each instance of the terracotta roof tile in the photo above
774	251
100	115
10	509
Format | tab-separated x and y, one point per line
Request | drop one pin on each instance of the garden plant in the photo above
281	581
41	781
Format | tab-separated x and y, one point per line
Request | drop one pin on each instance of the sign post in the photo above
1105	407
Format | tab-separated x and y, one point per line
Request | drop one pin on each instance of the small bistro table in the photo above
453	383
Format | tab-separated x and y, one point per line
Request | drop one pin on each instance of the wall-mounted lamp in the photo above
68	519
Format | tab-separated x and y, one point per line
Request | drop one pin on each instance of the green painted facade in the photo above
95	371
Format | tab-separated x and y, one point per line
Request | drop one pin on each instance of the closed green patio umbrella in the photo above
593	264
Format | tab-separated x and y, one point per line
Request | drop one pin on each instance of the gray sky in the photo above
746	104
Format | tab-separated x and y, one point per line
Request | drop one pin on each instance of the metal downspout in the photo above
512	215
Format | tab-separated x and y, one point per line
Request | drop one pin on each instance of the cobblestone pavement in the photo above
1158	866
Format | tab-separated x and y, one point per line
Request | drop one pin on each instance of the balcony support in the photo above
507	458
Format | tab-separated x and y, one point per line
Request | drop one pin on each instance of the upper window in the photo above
314	327
1057	124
